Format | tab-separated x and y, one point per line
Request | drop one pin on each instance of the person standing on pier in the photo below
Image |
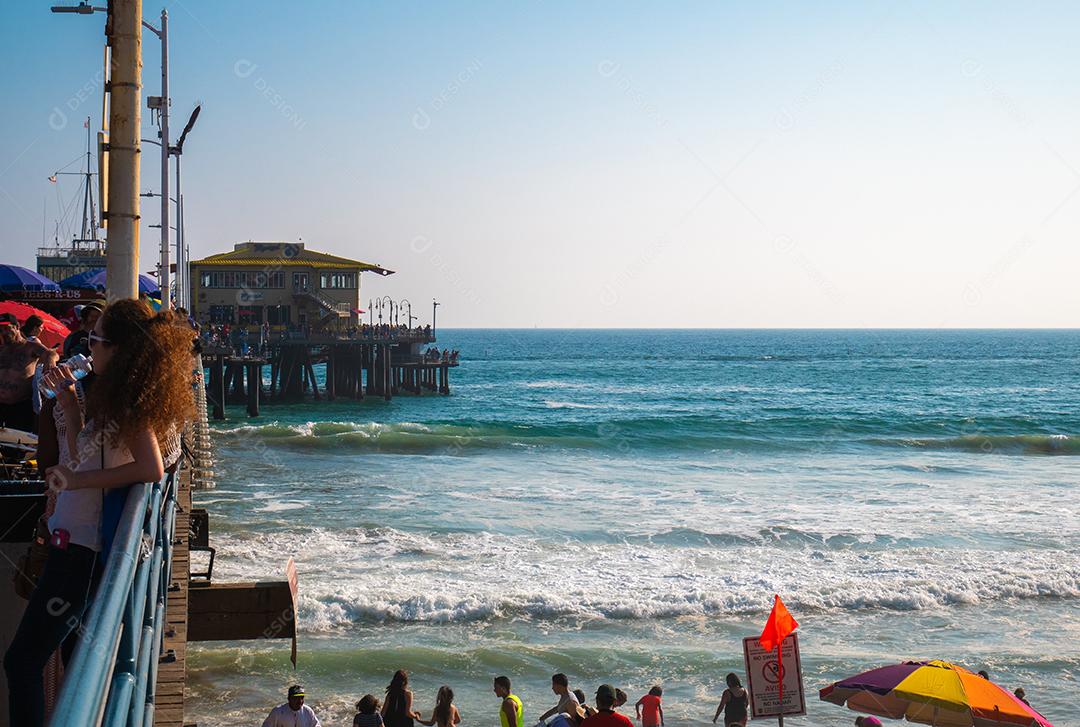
294	713
141	393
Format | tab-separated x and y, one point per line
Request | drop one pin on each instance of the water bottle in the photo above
79	365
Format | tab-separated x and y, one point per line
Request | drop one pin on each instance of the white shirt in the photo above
284	716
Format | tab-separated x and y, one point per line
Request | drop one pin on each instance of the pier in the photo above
378	364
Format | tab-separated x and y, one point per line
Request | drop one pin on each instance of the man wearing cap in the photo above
18	359
76	342
606	716
293	713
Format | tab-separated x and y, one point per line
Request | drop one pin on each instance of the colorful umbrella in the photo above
13	278
934	693
53	332
95	280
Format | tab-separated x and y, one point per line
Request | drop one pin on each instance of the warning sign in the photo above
765	675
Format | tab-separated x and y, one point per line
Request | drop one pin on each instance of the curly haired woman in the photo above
141	395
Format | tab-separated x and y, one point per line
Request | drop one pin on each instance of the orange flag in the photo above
780	624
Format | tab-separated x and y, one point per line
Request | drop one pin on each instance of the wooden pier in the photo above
355	368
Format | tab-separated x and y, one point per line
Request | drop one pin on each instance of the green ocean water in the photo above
622	505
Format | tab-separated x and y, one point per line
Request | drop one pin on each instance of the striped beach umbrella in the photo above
935	693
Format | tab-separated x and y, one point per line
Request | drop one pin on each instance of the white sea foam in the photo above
364	575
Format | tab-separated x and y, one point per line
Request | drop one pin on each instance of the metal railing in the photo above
112	674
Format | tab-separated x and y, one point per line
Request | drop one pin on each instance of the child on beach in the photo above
445	713
649	710
367	712
735	704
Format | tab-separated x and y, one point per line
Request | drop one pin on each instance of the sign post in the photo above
775	690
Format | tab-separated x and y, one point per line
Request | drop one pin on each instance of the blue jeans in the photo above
54	611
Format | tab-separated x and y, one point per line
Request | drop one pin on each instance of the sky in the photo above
606	164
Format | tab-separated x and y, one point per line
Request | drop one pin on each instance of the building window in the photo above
300	281
221	314
343	281
249	314
277	315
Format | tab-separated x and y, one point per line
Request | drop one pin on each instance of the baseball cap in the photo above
296	691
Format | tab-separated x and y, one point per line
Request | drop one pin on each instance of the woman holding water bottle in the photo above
141	393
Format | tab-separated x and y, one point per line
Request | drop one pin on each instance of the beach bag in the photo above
32	563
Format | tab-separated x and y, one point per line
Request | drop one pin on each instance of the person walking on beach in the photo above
367	712
446	712
568	702
511	712
649	710
735	704
606	716
294	713
397	710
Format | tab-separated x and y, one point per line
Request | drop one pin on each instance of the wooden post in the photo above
331	373
254	383
387	374
217	387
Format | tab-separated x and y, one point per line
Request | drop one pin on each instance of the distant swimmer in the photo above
446	712
567	711
367	712
734	703
294	713
397	709
511	711
649	709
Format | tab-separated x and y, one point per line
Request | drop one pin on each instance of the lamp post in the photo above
125	90
406	302
183	286
161	104
434	306
389	303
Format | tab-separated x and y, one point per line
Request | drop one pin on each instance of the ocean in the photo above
621	506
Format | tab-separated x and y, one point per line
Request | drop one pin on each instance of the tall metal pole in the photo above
181	269
125	118
163	267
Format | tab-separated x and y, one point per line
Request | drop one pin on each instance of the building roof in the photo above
283	255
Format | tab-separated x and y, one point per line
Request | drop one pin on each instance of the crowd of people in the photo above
434	355
253	339
97	434
398	707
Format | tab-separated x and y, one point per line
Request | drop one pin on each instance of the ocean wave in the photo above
1031	444
778	433
370	575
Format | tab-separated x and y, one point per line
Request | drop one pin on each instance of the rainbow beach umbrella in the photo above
932	692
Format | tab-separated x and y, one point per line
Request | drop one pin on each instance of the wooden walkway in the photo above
172	671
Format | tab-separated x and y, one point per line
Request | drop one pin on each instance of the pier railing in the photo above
110	679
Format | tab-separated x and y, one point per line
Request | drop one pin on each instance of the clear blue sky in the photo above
607	164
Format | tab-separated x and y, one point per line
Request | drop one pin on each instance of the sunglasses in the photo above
95	338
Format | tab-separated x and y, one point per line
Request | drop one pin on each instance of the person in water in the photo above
568	703
294	713
367	712
511	711
735	704
445	713
649	709
606	716
397	709
586	710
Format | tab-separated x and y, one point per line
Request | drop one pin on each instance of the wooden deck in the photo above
172	671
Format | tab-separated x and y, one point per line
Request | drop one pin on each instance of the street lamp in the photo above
161	105
410	316
434	305
390	305
80	9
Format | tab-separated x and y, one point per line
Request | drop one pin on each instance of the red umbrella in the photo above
53	332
